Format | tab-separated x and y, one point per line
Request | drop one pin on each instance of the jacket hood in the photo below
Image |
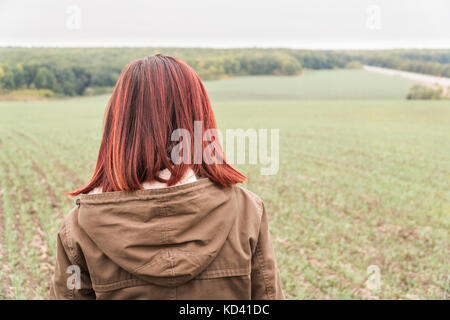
162	236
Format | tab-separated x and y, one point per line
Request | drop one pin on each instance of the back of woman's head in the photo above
153	97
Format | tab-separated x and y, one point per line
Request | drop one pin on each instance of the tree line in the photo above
79	71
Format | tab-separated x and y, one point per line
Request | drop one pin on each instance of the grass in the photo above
26	95
323	85
363	180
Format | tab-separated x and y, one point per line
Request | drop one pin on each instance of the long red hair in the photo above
154	96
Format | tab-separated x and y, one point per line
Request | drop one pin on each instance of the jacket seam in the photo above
69	239
261	209
74	258
148	264
229	272
172	269
262	267
171	265
118	285
120	196
70	253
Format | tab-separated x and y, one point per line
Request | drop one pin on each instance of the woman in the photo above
152	225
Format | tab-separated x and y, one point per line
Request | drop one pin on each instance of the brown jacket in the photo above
192	241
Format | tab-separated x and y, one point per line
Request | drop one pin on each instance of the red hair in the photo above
154	96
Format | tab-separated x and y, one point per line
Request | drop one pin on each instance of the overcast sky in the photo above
331	24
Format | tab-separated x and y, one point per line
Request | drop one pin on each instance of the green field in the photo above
363	180
323	84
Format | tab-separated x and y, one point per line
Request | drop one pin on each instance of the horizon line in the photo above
63	45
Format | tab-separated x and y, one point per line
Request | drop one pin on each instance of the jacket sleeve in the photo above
265	278
71	279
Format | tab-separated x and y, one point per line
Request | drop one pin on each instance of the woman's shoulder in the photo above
249	201
71	219
71	233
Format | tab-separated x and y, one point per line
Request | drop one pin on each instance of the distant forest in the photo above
85	71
